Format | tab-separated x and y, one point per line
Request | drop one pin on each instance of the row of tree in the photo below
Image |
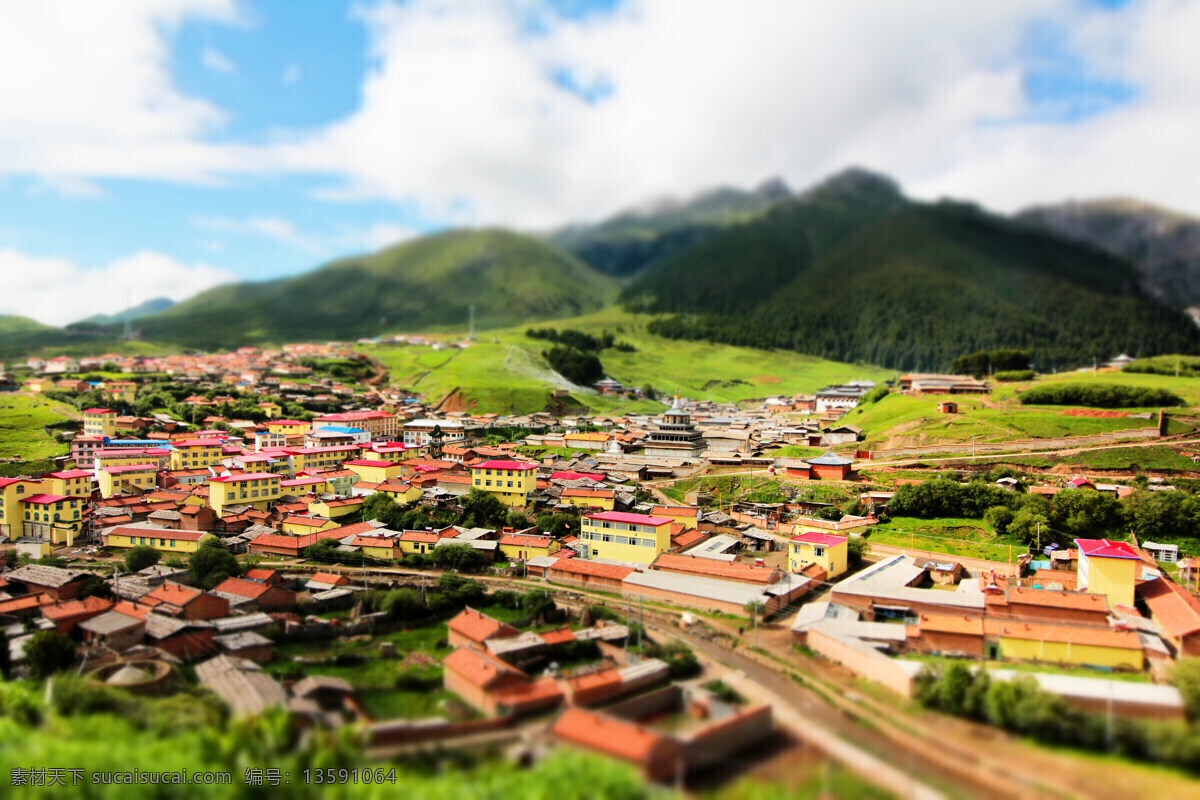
1020	705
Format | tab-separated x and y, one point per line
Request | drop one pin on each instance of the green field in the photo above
973	538
504	371
1155	457
906	420
1185	387
22	421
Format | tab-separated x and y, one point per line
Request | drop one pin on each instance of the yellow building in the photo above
272	410
401	493
375	471
12	512
590	498
313	459
99	422
126	478
587	441
517	547
831	553
288	427
168	541
381	547
76	482
1071	645
258	489
53	517
195	453
39	385
316	484
511	481
420	542
1108	568
336	509
298	525
620	536
124	391
119	457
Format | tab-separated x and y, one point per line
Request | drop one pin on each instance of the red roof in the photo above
197	442
73	608
1173	607
827	539
608	734
428	537
174	594
709	567
559	637
579	566
70	473
242	588
158	533
687	538
606	493
1104	548
310	522
479	627
525	541
45	498
478	667
632	519
519	466
261	574
330	578
366	462
98	411
571	475
248	476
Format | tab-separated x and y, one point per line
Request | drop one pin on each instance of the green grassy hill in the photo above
423	284
853	271
504	371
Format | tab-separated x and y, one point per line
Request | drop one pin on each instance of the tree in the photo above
856	548
1028	526
649	392
141	557
380	506
483	510
515	519
1186	677
999	517
211	564
48	652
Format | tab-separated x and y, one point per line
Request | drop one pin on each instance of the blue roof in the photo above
337	429
830	459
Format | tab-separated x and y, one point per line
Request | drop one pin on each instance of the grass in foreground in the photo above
22	422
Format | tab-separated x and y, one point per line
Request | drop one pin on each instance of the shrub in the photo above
1015	375
1098	395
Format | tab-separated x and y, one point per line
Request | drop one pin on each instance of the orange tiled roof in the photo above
479	627
174	594
479	668
242	588
1096	637
579	566
708	567
1174	608
73	608
608	734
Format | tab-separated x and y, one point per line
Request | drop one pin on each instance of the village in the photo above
445	579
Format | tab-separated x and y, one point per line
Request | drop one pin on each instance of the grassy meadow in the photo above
22	433
504	371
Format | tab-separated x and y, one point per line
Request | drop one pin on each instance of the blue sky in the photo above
213	140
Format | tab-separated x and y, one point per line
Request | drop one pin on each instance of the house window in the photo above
818	551
510	484
607	537
172	543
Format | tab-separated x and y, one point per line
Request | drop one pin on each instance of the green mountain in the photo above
636	239
11	324
158	304
854	271
1163	244
427	283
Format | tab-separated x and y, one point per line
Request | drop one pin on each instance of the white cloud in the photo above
86	90
216	61
57	291
460	112
381	235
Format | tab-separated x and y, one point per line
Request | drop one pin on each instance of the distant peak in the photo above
773	189
858	182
